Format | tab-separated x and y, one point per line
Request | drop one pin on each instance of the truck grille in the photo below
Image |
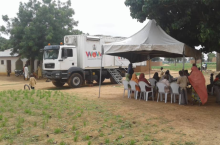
49	65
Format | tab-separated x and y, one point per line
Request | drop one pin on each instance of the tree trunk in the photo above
32	64
217	61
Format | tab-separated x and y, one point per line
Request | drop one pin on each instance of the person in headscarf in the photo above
156	76
170	79
130	70
142	78
197	80
135	79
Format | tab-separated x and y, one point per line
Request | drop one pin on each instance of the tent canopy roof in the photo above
150	41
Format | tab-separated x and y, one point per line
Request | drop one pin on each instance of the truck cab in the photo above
57	60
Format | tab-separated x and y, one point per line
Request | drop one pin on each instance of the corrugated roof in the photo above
7	53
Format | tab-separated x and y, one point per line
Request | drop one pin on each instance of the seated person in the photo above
182	81
186	73
156	76
135	79
142	78
166	82
170	77
127	78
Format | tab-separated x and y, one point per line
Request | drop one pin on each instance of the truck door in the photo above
69	59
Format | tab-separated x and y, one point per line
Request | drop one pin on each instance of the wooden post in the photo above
217	61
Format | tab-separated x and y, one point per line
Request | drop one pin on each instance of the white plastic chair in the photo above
143	86
161	91
133	84
175	91
126	83
152	81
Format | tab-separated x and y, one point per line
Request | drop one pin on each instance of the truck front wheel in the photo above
58	83
75	80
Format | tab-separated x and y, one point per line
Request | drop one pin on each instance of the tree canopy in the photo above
210	56
38	23
194	22
3	43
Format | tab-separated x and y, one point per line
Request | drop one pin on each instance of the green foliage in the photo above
210	56
193	22
38	23
3	43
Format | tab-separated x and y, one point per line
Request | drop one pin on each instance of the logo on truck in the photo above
93	54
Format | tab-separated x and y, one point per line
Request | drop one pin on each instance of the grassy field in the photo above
53	117
179	66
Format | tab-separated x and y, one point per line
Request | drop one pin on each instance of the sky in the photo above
106	17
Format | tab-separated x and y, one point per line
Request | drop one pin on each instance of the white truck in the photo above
79	61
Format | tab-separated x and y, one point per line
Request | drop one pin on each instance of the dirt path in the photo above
198	123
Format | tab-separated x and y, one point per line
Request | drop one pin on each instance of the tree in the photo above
155	59
210	56
37	24
203	57
3	43
194	22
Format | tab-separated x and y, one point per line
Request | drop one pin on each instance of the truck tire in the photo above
58	83
75	80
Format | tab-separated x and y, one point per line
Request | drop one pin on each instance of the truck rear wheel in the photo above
75	80
58	83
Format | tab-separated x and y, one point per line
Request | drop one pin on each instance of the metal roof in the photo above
7	53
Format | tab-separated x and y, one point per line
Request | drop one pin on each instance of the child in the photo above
182	81
33	82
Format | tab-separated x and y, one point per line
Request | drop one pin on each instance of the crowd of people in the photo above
194	80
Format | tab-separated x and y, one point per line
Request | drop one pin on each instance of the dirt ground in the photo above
199	124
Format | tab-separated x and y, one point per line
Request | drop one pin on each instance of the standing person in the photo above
39	72
8	73
26	72
161	72
130	70
142	78
209	87
182	81
197	80
33	82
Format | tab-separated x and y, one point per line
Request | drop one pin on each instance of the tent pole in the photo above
101	72
149	66
201	63
183	61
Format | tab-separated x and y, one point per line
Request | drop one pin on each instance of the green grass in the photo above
36	116
179	66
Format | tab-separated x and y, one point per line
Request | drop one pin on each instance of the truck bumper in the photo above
55	74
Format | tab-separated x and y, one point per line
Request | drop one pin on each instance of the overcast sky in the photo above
107	17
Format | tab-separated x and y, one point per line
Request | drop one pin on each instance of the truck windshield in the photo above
51	54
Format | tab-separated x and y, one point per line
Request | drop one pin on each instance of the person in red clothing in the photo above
142	78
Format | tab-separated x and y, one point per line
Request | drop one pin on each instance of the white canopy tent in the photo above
149	42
